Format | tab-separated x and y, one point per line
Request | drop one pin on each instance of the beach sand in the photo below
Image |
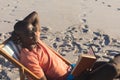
58	15
69	27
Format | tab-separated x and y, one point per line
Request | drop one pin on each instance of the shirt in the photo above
42	61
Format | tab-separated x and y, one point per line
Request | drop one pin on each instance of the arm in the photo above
36	69
33	18
32	63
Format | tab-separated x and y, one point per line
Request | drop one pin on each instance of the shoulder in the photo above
26	53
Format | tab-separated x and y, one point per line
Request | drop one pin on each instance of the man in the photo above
33	50
43	61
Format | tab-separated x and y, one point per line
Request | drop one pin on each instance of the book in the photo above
85	62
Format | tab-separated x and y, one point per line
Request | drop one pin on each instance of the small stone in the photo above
109	5
118	9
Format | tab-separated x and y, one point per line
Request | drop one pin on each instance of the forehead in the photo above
25	30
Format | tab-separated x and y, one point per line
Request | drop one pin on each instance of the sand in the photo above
58	15
69	27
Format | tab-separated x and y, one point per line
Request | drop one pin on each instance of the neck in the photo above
30	47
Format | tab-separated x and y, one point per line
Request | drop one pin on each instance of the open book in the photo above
85	62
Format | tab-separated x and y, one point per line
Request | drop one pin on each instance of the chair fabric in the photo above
12	49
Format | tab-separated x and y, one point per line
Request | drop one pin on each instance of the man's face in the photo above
28	35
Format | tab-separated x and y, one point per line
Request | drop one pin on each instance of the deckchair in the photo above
10	51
